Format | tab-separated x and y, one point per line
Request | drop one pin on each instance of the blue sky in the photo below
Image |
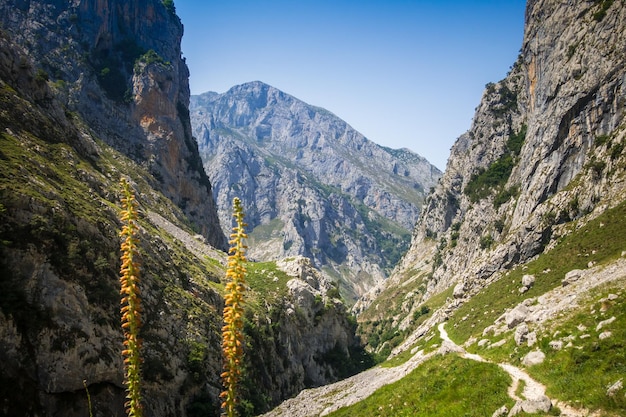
403	73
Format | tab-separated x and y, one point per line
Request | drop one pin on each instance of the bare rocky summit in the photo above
312	184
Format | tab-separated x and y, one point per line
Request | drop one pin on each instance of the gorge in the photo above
516	256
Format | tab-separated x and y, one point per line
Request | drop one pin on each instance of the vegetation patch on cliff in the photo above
485	181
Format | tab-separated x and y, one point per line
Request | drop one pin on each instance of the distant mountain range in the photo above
311	184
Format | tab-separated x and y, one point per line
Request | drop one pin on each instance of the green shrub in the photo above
424	310
505	195
150	57
41	76
602	140
516	140
169	5
454	238
616	150
482	184
486	242
507	102
499	225
571	50
597	167
604	6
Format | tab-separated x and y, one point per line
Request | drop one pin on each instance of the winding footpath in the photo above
534	393
324	400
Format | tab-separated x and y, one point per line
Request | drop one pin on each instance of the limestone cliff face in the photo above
545	147
313	186
91	92
305	340
118	64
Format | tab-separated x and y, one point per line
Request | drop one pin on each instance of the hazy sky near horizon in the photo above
404	73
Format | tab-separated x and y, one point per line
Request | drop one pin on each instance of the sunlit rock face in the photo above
313	186
544	147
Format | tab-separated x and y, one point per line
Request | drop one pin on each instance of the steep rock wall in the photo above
544	147
118	64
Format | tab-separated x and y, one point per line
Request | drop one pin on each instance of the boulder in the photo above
542	404
533	358
572	276
483	342
459	290
497	344
449	347
605	335
521	334
556	344
501	412
528	280
604	323
516	316
613	389
489	329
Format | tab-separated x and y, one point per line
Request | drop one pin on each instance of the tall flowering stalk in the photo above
232	332
131	317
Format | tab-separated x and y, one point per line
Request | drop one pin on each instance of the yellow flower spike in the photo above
130	300
232	331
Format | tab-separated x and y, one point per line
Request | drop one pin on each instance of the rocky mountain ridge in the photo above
314	186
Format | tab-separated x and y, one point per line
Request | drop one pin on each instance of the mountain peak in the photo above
313	185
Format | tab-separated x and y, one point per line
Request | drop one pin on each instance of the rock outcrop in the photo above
545	147
313	185
118	65
305	339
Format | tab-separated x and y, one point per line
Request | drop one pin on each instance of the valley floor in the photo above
326	399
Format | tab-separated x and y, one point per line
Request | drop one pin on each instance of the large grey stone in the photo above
541	404
528	280
521	334
516	316
534	357
572	276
